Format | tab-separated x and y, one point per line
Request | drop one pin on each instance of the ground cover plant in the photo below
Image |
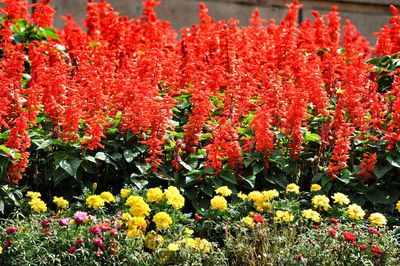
270	106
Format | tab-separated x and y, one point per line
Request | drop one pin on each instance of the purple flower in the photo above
119	213
64	221
11	230
80	217
93	218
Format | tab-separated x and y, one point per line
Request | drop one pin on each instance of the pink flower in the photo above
333	220
79	241
80	217
198	218
8	243
98	242
363	247
11	230
95	230
72	250
64	221
46	223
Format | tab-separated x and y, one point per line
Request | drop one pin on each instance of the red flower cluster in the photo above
249	87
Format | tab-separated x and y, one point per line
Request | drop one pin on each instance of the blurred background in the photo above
368	15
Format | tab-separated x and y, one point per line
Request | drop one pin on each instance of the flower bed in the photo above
148	227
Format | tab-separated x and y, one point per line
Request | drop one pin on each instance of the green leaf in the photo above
257	169
1	206
70	165
228	175
5	149
100	156
143	167
130	155
250	182
312	137
51	33
377	196
281	162
381	170
393	162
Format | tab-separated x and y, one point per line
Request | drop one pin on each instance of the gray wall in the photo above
368	15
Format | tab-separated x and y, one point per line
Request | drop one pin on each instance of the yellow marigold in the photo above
321	202
134	232
177	201
248	221
38	205
173	247
270	194
137	222
171	190
154	240
340	199
219	203
1	250
315	187
162	220
126	216
223	191
355	212
107	197
60	202
377	219
33	195
155	195
293	188
256	196
312	215
94	201
138	207
398	206
283	216
242	196
263	206
124	192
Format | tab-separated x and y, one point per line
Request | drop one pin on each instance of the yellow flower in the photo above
162	220
177	201
124	192
33	195
219	203
270	194
321	202
223	191
242	196
256	196
154	240
134	232
204	245
60	202
341	199
190	242
138	207
398	206
155	195
137	223
315	187
94	201
293	188
1	250
173	247
126	216
355	212
283	216
248	221
38	205
107	197
263	206
312	215
188	231
377	219
171	190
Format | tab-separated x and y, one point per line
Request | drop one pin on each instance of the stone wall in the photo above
368	15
